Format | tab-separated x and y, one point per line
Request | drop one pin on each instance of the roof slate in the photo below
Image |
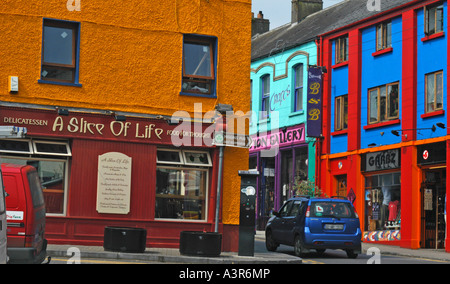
337	16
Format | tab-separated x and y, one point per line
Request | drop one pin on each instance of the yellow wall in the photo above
131	60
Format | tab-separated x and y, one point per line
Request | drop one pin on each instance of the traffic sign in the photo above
232	140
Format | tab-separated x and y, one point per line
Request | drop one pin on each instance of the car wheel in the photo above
298	246
271	245
351	254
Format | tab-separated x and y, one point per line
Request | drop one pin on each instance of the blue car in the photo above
315	223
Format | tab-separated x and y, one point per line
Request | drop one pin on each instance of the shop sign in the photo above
87	125
384	160
430	154
114	183
232	140
295	135
314	105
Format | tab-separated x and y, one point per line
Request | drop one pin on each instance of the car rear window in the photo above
332	209
36	189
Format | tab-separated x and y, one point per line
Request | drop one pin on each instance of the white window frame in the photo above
68	154
204	169
168	162
30	147
209	164
66	177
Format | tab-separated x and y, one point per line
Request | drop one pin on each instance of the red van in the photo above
25	210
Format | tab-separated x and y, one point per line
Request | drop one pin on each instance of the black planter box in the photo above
121	239
200	243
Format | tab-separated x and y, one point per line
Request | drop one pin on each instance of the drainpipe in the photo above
219	186
223	109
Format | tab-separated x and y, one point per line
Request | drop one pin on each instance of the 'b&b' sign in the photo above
314	106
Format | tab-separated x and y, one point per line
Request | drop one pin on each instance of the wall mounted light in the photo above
119	117
63	111
440	125
397	132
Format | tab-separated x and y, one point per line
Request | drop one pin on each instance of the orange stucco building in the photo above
100	78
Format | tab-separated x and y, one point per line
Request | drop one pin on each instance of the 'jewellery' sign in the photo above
278	139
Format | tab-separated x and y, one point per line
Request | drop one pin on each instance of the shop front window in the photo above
181	187
294	170
52	175
50	160
383	202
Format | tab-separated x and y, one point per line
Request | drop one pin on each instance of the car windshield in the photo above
332	209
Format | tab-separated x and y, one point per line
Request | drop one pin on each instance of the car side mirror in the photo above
276	213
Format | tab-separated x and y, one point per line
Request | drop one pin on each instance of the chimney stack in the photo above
259	24
303	8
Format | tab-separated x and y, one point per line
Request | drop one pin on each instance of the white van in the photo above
3	255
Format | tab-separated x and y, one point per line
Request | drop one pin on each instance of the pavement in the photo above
262	256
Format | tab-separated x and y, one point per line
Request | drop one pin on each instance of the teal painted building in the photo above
281	152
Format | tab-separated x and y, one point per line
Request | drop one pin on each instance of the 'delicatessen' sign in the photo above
314	105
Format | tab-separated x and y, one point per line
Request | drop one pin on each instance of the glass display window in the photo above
383	202
181	187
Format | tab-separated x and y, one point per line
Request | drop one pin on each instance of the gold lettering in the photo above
111	126
99	128
158	132
73	125
58	124
137	132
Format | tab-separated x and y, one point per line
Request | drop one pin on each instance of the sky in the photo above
279	11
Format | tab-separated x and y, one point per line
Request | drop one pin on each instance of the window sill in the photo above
198	95
60	83
296	113
433	36
339	132
432	114
381	124
382	51
345	63
264	120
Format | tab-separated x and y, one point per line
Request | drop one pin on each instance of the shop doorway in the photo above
341	187
266	196
433	208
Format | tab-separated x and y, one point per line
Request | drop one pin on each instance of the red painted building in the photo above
388	143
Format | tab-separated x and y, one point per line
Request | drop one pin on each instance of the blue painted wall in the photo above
385	69
378	71
431	57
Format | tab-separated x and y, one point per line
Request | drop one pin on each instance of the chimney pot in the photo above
260	15
303	8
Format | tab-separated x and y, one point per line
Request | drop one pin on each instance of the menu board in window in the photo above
114	183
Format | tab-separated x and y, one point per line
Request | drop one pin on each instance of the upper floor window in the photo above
341	113
434	19
60	51
384	35
265	94
383	103
298	98
342	49
198	65
434	91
